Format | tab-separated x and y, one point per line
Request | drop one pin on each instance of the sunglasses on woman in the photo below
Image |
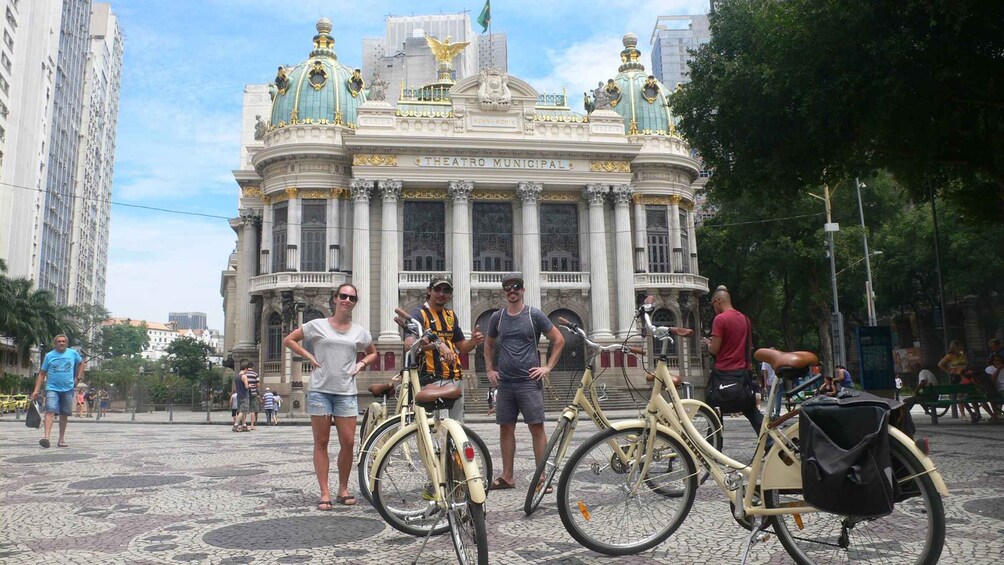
350	297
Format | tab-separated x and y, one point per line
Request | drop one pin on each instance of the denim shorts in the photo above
513	398
59	402
327	404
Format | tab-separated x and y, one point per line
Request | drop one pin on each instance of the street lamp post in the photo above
869	287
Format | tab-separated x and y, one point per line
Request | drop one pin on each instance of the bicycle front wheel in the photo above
914	533
369	422
403	494
544	474
710	425
466	518
611	502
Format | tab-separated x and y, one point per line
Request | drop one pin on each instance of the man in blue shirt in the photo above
61	370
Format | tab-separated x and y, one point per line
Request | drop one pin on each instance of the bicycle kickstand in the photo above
756	536
425	540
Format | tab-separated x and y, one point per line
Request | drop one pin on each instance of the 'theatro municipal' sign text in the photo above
452	162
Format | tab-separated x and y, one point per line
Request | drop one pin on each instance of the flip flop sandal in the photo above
347	500
62	445
43	442
500	484
325	506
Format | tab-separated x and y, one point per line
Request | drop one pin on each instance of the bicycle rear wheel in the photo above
466	518
369	422
612	505
913	534
548	466
374	441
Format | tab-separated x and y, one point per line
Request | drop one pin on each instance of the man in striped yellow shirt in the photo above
440	361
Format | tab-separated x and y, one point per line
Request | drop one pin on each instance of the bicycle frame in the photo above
432	451
401	411
781	468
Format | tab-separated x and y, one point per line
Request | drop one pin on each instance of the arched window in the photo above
665	317
273	337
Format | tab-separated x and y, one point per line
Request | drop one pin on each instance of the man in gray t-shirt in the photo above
518	373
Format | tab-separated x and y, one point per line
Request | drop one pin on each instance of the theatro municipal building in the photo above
592	200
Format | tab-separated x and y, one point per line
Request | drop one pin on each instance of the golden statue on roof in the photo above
445	51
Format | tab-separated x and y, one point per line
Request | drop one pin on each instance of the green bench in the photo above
934	397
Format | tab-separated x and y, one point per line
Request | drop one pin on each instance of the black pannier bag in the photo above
844	444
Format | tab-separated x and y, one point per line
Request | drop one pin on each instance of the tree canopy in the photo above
29	317
189	357
789	95
124	340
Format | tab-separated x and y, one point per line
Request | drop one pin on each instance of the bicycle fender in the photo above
929	467
383	453
475	479
776	473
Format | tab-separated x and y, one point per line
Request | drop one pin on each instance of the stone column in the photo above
460	191
692	231
246	267
599	294
390	261
640	238
331	233
361	248
529	195
674	235
266	240
621	194
294	216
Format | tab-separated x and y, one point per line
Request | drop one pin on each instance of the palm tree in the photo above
29	317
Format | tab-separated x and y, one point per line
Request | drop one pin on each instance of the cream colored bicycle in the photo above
586	400
623	505
452	487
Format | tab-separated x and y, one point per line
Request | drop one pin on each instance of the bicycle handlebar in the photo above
576	328
411	326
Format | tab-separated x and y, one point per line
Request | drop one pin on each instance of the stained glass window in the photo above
559	237
279	225
312	235
657	233
492	236
424	236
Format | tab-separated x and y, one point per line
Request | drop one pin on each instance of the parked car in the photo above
6	403
21	401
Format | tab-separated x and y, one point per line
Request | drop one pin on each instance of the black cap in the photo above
509	278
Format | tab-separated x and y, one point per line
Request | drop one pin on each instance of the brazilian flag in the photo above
486	16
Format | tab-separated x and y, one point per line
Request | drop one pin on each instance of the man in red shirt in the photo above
730	336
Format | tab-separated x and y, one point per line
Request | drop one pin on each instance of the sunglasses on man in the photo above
350	297
513	287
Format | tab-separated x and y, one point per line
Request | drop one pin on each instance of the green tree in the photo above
29	317
189	358
87	331
787	95
124	340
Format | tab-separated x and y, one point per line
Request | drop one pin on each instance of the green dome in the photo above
639	97
318	90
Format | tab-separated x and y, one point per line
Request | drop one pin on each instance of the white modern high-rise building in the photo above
403	58
64	149
96	161
60	74
672	40
27	86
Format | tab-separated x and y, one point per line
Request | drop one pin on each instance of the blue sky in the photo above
185	67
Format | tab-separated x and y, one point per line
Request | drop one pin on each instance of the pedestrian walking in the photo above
517	372
268	404
254	398
440	361
104	402
243	400
62	369
278	408
80	403
335	342
234	406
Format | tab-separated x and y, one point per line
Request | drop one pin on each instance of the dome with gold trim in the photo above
639	97
319	90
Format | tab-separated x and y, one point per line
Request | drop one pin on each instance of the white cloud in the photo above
160	263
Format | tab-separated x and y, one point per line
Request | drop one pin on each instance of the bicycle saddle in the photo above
786	359
380	389
431	394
